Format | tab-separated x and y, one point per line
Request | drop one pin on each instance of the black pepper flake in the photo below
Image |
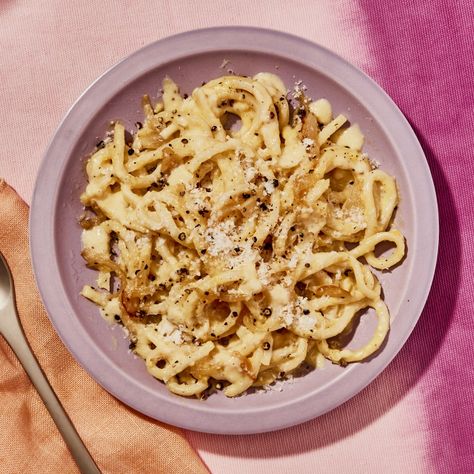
266	346
206	293
267	312
254	239
132	345
203	252
185	96
152	277
184	141
160	184
213	128
307	265
263	206
293	228
130	151
276	183
272	115
237	249
301	113
212	334
117	317
182	236
306	311
139	125
234	314
267	244
246	195
100	144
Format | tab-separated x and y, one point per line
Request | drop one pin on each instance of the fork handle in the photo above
14	335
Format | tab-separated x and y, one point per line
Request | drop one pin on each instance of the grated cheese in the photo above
176	337
218	239
198	197
298	89
279	384
287	313
224	63
374	164
354	215
250	173
306	322
170	332
262	273
269	187
293	261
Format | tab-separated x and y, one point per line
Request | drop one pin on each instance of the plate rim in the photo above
42	230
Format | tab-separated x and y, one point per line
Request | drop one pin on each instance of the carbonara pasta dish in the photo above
233	251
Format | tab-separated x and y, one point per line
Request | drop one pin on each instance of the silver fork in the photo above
11	330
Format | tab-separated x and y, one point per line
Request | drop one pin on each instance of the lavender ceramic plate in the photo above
190	59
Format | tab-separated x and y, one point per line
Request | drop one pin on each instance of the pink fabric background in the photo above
418	415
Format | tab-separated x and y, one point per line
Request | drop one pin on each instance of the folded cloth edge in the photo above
119	438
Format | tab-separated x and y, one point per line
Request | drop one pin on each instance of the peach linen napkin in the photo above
119	439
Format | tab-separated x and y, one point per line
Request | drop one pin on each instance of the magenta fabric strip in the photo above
422	54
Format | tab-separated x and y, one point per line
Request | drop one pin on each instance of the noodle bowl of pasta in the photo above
242	226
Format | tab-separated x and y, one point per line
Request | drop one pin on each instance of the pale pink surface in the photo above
52	50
